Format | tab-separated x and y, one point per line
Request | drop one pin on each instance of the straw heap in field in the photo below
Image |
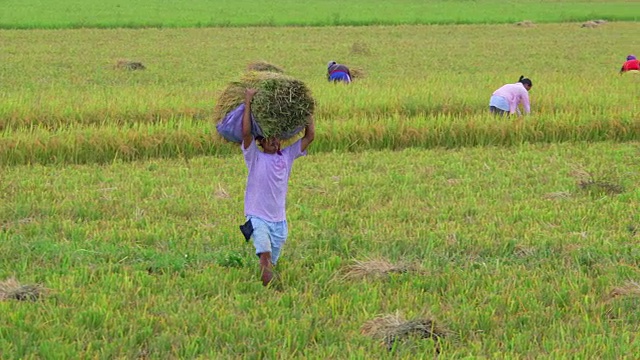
264	66
357	73
281	107
375	268
11	289
392	328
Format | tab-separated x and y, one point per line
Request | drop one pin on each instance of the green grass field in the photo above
30	14
518	237
516	260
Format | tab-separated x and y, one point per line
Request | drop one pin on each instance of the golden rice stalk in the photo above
11	289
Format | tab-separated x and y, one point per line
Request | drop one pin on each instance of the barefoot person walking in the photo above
266	191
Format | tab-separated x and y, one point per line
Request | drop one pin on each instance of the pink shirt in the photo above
268	181
515	94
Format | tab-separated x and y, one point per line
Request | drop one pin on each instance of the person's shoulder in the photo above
294	148
251	148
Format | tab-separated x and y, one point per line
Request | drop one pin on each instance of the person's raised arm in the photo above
247	137
309	134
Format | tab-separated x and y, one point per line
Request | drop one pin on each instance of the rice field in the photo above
420	226
503	248
30	14
64	102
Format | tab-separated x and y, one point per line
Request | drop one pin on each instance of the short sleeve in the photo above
250	153
293	152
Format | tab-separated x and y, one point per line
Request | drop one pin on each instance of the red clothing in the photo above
631	65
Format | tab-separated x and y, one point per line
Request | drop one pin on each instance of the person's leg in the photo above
266	268
497	111
279	233
262	242
341	77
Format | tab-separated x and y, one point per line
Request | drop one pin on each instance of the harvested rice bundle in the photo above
264	66
357	73
375	268
11	289
281	107
393	328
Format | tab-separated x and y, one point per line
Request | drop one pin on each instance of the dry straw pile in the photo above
281	107
375	268
393	328
357	73
11	289
261	65
525	23
129	65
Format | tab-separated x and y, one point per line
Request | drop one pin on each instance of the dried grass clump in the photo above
264	66
129	65
11	289
360	48
374	268
357	73
589	24
557	195
394	328
281	107
587	182
631	288
525	23
605	187
523	250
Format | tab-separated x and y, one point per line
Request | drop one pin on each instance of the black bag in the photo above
247	230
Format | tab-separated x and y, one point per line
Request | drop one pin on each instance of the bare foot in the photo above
266	268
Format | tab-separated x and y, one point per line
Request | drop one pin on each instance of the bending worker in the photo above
338	72
506	99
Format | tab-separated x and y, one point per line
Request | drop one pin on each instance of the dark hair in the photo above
525	81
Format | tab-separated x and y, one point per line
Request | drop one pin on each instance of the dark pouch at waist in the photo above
247	230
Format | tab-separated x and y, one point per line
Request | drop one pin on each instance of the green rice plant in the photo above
199	13
508	269
64	103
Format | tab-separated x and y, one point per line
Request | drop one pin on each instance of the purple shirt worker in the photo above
508	97
267	185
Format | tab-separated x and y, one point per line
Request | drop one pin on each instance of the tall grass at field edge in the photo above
183	138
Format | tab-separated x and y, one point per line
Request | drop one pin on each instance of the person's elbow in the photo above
309	135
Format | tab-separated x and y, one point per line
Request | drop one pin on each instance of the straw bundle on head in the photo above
281	107
264	66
